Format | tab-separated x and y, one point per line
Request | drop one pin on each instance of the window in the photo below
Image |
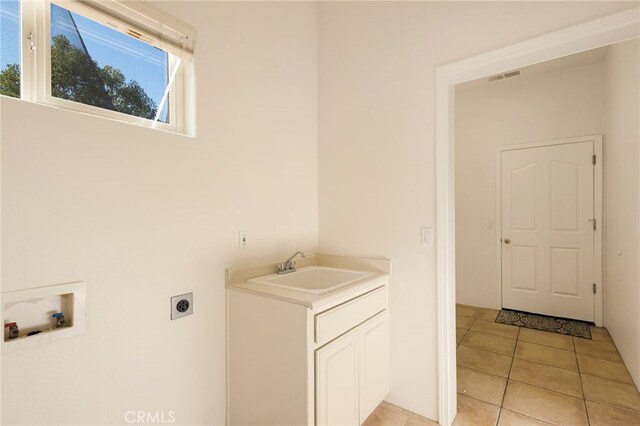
95	65
118	59
10	48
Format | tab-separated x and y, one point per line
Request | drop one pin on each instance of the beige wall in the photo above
142	215
377	64
533	107
621	177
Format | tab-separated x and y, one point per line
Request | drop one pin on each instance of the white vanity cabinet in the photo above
315	361
352	374
373	363
337	382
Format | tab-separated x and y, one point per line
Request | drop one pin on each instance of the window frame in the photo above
35	70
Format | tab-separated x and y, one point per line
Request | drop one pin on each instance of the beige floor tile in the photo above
501	330
546	355
600	333
546	338
488	362
481	386
545	376
490	343
417	420
610	392
488	314
464	322
603	415
475	413
598	349
509	418
544	405
387	414
467	311
603	368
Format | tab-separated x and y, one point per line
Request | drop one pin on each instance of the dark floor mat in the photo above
544	323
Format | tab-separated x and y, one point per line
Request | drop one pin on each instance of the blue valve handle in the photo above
58	315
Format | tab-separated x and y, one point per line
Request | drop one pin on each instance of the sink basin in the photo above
313	279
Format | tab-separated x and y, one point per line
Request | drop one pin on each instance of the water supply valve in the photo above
13	329
59	318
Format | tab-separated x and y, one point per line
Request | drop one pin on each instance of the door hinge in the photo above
594	159
594	288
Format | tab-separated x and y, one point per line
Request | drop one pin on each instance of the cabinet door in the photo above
373	339
337	382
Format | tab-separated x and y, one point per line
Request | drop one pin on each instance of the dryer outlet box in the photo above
181	305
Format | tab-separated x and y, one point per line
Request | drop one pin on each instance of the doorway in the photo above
601	32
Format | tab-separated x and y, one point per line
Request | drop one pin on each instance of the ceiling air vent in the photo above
505	75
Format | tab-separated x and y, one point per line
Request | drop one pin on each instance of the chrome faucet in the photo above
289	265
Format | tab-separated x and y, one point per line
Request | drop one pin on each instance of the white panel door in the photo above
548	231
337	382
373	363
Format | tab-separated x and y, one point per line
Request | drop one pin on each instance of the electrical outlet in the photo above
181	305
242	239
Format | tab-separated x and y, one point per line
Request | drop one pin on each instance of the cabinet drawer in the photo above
332	323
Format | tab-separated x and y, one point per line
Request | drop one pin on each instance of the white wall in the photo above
377	64
533	107
142	215
622	179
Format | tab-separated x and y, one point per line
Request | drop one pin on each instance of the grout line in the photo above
504	394
611	380
615	407
547	389
584	398
535	361
476	399
527	416
605	377
485	349
620	357
466	331
490	334
407	419
552	347
482	371
508	378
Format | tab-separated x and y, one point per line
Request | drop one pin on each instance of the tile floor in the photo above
518	376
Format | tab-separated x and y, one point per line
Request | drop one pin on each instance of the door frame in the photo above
597	207
590	35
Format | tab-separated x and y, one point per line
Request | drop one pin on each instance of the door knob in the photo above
507	241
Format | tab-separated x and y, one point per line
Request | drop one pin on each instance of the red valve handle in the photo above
11	324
